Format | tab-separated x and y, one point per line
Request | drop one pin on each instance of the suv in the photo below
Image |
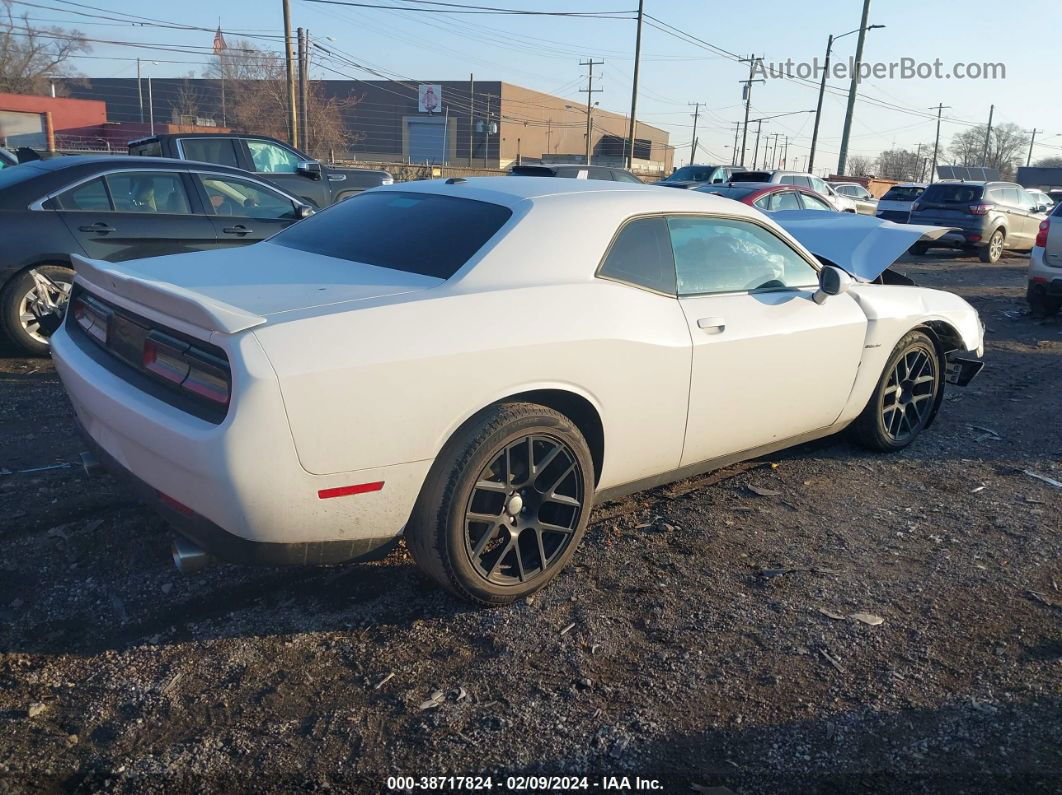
694	176
840	203
1045	267
574	171
273	160
986	216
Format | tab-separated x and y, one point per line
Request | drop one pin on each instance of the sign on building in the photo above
430	98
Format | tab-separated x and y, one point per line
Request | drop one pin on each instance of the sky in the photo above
543	53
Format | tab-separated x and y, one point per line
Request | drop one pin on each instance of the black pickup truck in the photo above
273	160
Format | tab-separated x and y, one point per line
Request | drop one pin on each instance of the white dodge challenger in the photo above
473	363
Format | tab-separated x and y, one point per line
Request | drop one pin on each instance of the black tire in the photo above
1040	305
919	249
15	325
887	426
475	559
993	250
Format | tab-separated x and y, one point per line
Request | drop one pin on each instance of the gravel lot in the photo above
702	637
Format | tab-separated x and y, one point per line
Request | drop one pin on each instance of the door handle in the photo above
711	325
99	226
239	229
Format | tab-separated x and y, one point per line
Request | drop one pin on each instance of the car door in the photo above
242	210
136	213
1019	233
1027	204
768	362
281	166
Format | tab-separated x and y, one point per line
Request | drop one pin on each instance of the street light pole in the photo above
634	87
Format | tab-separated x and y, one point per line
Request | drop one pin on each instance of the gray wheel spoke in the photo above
488	536
482	517
491	485
555	528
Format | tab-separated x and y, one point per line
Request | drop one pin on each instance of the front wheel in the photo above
905	397
505	504
994	250
46	286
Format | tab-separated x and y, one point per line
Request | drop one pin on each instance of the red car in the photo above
769	196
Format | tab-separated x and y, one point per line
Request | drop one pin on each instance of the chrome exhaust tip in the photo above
190	558
90	464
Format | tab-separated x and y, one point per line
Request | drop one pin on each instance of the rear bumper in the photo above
1046	276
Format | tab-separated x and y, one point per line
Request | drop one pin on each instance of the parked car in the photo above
1041	199
895	205
820	186
988	217
7	158
693	176
578	340
316	183
865	203
118	208
770	197
574	171
1044	293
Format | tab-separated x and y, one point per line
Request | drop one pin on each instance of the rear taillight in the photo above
187	367
93	318
1041	236
979	209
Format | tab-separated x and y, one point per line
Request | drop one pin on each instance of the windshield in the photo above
898	194
730	193
412	232
692	173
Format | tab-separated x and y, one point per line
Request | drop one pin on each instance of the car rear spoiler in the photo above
178	302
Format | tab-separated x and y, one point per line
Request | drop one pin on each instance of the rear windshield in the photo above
692	173
730	193
412	232
751	176
898	194
953	193
531	171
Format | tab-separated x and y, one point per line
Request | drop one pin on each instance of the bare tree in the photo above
29	55
860	166
1006	145
901	164
256	99
1050	162
185	106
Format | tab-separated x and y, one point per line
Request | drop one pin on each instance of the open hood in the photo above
860	244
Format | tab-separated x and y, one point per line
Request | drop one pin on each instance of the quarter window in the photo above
138	192
236	197
91	195
716	255
270	158
641	255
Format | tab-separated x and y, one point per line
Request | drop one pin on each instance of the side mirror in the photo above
310	168
832	281
304	211
1040	208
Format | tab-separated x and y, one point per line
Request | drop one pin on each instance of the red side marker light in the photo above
346	491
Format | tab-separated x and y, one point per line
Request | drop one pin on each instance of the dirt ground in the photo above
701	638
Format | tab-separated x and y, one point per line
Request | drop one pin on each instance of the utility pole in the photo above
304	68
589	91
818	108
693	146
842	159
936	141
289	57
752	60
774	149
1032	141
151	106
733	152
139	91
785	153
988	135
472	116
634	86
756	151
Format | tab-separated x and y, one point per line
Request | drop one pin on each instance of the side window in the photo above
142	192
598	172
814	202
788	179
785	200
817	185
1027	200
716	255
210	150
270	158
230	196
90	196
641	254
622	176
1012	196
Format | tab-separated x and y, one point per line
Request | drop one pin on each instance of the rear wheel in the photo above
994	250
505	505
905	397
51	290
919	249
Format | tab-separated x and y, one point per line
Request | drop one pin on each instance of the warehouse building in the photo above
484	124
